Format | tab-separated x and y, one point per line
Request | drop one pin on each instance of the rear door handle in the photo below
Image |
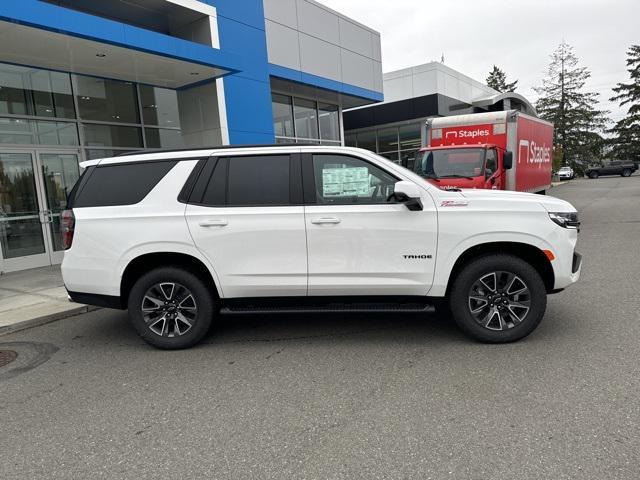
213	223
326	221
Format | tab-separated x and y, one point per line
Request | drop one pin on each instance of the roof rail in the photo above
220	147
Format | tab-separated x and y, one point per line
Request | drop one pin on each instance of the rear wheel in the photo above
498	299
626	173
593	174
171	308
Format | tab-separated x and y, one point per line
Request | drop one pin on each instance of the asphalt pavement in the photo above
353	396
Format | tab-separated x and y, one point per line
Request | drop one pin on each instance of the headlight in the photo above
565	220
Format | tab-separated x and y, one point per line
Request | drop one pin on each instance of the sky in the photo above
518	36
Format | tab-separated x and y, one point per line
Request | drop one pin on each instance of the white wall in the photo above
307	36
430	78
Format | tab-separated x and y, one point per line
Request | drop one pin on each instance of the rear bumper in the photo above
106	301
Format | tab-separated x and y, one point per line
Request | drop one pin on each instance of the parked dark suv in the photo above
617	167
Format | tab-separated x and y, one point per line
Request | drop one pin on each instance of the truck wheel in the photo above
171	308
593	175
498	299
626	173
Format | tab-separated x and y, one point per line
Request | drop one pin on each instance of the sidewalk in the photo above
34	297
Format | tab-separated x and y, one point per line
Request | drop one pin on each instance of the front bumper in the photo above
577	263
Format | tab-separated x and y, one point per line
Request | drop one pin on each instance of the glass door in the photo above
23	237
59	171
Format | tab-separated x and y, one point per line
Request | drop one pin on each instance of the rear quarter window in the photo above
119	184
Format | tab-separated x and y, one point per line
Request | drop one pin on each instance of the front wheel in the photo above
626	173
593	175
498	299
171	308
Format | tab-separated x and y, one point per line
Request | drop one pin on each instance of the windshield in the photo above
451	163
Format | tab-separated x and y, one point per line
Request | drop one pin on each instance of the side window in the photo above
259	180
492	162
343	180
120	183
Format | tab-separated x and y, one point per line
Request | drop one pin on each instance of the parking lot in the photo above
357	396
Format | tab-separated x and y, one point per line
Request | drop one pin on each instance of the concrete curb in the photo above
44	319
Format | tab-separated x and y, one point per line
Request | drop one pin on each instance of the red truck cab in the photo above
465	166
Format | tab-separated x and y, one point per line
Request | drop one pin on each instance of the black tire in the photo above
511	330
626	172
593	175
197	312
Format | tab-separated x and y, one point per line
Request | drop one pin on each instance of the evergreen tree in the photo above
626	141
563	101
497	80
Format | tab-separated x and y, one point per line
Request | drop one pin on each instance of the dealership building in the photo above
396	127
84	79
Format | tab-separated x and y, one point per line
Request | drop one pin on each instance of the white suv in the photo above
180	237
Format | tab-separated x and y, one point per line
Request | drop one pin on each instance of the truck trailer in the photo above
504	150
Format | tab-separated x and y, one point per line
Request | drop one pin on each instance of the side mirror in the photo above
407	193
507	160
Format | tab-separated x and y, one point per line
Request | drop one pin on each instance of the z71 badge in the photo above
454	203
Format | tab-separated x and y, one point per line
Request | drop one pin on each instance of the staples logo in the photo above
534	153
481	132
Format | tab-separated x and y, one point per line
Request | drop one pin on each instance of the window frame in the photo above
309	180
211	164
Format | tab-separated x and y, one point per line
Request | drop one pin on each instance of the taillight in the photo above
67	226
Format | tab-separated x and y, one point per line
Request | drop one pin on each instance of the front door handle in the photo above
326	221
213	223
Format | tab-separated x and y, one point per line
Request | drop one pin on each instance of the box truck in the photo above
504	150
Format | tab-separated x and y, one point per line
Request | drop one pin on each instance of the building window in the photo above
112	136
410	138
163	138
105	100
34	92
398	144
282	115
329	118
159	106
103	153
388	140
102	117
350	140
306	118
305	121
367	140
19	131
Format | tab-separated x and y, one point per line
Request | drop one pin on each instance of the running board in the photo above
334	307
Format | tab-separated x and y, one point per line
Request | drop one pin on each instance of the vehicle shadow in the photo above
322	327
436	329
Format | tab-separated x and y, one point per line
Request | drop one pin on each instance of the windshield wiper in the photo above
456	176
431	177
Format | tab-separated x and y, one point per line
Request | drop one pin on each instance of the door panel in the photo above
246	222
364	254
256	251
358	242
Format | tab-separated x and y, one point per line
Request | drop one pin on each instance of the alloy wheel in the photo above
499	300
169	309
